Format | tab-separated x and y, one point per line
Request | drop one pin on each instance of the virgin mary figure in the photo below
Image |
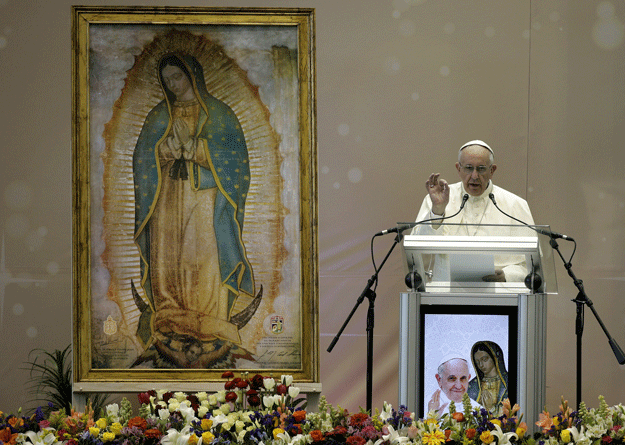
490	385
191	177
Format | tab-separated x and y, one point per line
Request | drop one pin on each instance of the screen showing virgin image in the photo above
468	352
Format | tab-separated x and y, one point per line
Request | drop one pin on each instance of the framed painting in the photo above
195	194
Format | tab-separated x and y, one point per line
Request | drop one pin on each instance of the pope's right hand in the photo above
435	402
438	190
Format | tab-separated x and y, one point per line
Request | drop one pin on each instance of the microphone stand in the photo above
370	295
580	300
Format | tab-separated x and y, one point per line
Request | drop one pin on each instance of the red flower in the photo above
606	439
470	433
359	420
241	384
253	399
295	429
153	433
447	435
316	435
229	385
281	389
257	381
355	440
194	401
299	416
338	431
138	422
231	396
227	375
167	396
144	398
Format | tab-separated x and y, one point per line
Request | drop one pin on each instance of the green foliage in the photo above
51	381
51	378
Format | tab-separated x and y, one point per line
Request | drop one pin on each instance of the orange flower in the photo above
545	421
470	433
16	422
6	437
299	416
138	422
316	435
459	417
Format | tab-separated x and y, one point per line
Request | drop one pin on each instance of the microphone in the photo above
552	235
401	227
397	229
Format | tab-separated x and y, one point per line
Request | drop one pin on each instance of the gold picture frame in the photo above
194	197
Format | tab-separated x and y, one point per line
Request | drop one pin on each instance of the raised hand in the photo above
438	189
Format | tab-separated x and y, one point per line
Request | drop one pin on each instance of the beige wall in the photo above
401	85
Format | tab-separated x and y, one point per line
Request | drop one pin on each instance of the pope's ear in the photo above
493	168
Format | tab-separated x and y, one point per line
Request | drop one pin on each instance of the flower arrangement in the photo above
263	410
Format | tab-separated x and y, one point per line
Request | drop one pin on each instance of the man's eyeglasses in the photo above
468	169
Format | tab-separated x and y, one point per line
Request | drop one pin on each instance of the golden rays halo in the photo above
263	230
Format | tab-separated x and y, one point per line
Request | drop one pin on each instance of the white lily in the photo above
386	412
219	418
576	434
43	437
394	436
188	414
503	438
284	437
175	437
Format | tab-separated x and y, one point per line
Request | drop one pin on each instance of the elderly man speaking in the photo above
476	190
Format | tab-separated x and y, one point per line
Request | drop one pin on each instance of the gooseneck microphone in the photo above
552	235
401	227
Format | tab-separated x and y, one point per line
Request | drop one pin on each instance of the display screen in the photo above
470	349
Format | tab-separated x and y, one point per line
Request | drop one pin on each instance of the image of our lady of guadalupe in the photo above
193	221
191	174
490	386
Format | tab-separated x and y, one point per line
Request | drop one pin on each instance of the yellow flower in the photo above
94	431
565	436
207	424
116	428
495	422
487	437
431	421
520	432
435	438
556	421
101	423
207	436
277	431
193	439
107	437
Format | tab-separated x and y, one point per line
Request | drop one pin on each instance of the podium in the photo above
449	311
